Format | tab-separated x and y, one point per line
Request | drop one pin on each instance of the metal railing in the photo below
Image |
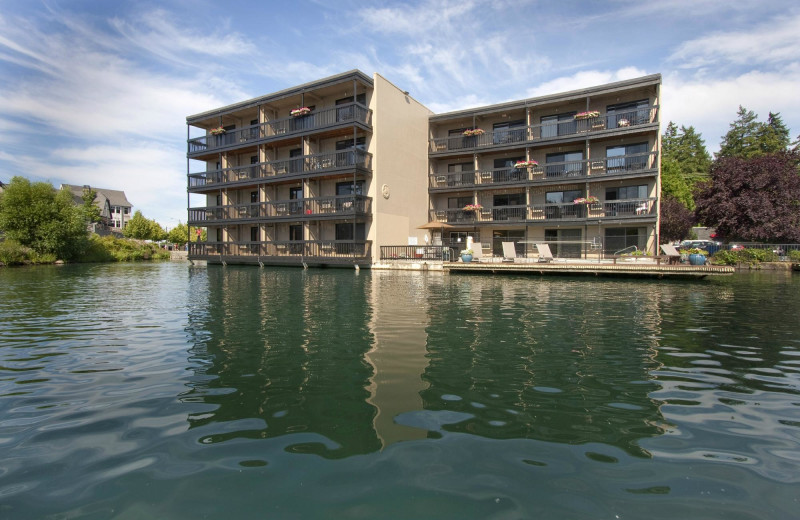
283	127
548	130
315	163
612	209
285	248
416	253
332	206
570	170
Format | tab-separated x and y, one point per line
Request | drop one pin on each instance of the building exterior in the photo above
577	170
332	171
115	210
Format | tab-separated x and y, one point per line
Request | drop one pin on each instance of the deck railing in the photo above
570	170
548	130
315	163
332	249
315	207
417	253
611	209
284	127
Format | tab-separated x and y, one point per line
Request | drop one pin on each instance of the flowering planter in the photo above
466	258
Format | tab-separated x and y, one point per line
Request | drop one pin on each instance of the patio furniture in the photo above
545	255
671	253
509	252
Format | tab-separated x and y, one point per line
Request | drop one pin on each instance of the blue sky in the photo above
97	92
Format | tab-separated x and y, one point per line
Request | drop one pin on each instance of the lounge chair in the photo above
477	251
544	253
509	252
671	253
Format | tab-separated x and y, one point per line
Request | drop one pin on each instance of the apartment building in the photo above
577	170
322	173
332	171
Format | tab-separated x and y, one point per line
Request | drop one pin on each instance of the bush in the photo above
744	256
111	249
725	257
13	253
794	255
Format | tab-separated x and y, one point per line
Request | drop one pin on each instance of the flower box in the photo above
526	164
473	132
623	122
587	115
217	131
302	111
591	199
472	207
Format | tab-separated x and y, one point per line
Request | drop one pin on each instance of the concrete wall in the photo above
400	167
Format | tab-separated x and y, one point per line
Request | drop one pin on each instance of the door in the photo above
504	170
349	232
296	193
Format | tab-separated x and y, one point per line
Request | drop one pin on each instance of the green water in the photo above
163	391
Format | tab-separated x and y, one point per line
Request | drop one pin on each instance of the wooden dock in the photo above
593	269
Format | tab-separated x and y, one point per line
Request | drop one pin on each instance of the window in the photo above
254	234
559	205
254	129
303	122
568	164
296	162
456	140
560	124
508	235
508	199
455	213
219	234
347	188
348	113
618	239
510	132
296	235
627	192
296	193
564	243
628	113
626	157
504	170
126	211
361	144
467	176
219	199
253	197
348	231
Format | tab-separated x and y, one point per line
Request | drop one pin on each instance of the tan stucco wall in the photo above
400	161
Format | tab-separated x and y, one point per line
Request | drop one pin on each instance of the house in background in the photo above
2	186
115	210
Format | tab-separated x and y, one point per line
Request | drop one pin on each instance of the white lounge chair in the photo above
509	252
545	255
672	254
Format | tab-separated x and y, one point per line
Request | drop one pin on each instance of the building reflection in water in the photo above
358	361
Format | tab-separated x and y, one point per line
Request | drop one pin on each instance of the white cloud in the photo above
584	79
772	42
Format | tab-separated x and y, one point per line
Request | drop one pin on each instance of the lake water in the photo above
158	390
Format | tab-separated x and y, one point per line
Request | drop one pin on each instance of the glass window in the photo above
566	164
510	132
627	192
559	124
346	188
504	170
628	114
564	243
626	157
618	239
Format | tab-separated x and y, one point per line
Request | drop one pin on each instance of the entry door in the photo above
296	208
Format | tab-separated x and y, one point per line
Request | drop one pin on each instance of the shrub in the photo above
725	257
111	249
794	255
14	253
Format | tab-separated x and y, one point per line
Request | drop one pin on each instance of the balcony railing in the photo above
316	207
332	249
569	170
284	127
316	163
545	131
611	209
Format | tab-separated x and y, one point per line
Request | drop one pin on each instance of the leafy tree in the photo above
755	199
89	207
749	138
674	184
183	233
40	217
676	220
142	228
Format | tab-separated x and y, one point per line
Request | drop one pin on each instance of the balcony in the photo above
612	209
633	164
547	131
294	251
333	207
286	168
324	118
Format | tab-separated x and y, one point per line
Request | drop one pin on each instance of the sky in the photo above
97	91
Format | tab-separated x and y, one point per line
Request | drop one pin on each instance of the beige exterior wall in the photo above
400	163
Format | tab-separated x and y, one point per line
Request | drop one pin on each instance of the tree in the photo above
183	233
90	209
674	184
749	138
676	220
687	148
755	199
142	228
40	217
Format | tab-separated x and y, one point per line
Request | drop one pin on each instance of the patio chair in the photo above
671	253
545	255
509	252
477	251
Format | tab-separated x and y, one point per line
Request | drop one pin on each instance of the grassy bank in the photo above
99	249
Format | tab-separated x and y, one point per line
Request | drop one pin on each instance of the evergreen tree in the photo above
742	138
674	183
774	135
